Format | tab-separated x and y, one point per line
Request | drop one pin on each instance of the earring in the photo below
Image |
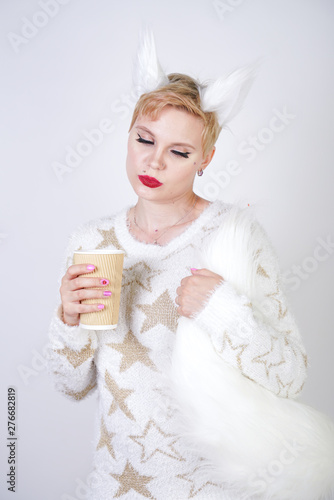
199	172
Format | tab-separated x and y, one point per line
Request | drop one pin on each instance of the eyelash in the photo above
177	153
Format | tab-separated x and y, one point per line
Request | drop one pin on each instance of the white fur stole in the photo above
259	445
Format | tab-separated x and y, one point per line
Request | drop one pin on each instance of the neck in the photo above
153	215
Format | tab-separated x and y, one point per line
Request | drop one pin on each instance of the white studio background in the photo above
71	71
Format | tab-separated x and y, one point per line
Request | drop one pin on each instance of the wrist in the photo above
68	320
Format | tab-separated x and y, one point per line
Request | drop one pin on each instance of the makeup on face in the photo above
166	147
148	181
140	139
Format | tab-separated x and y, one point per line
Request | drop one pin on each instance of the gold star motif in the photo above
258	252
197	483
190	245
162	311
261	271
287	343
262	358
80	395
109	238
305	360
240	348
130	293
282	386
76	358
141	273
119	396
130	479
149	439
132	351
281	313
207	231
105	439
299	390
167	410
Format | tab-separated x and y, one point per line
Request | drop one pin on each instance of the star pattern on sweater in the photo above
132	351
283	389
262	272
164	409
105	439
206	231
175	252
305	359
76	358
264	358
297	391
141	274
109	238
237	349
282	311
80	394
130	479
130	293
149	439
197	482
162	312
119	396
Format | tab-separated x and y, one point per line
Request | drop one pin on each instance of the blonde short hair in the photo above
182	93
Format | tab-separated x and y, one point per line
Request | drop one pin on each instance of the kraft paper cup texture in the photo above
108	264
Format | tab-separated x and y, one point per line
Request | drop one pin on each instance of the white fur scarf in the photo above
239	427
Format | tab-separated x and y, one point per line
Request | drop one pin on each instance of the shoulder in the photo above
239	219
241	251
239	230
90	234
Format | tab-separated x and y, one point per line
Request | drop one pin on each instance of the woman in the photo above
137	452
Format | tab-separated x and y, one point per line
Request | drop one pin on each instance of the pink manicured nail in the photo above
90	267
193	269
104	282
100	306
107	293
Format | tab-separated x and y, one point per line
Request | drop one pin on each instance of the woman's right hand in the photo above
75	288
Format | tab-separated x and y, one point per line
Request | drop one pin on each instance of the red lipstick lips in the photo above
149	181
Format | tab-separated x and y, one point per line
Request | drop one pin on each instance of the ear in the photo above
208	157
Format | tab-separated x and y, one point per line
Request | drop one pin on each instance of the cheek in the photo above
187	170
135	157
131	160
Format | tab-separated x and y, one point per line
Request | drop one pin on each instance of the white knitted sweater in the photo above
136	453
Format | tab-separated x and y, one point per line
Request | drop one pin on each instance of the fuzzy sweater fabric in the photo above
137	452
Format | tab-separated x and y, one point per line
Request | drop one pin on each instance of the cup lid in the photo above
99	252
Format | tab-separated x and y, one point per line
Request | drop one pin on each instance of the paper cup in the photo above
108	264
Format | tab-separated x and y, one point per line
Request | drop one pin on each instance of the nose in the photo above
156	160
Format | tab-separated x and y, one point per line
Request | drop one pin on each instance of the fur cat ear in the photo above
226	95
147	74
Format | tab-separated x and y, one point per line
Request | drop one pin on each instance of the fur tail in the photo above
259	445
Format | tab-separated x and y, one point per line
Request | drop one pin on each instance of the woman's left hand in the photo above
194	291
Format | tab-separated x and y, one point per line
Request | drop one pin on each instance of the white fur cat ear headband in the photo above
224	96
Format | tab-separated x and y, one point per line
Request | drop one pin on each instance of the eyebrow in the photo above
184	144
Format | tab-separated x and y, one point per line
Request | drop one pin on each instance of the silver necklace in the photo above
170	227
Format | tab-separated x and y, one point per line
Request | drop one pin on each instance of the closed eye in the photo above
174	151
143	141
179	153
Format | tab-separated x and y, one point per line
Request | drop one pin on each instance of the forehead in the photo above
173	121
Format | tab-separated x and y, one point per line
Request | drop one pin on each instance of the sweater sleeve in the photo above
71	349
258	334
